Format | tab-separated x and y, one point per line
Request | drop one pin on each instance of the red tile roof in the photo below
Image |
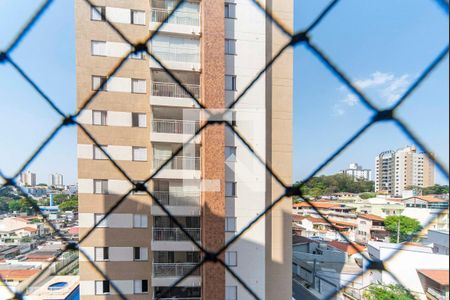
429	199
18	274
346	247
439	276
371	217
316	204
30	229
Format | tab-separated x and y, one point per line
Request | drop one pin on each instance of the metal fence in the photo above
303	37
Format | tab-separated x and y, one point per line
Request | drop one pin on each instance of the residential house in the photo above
370	228
430	211
435	283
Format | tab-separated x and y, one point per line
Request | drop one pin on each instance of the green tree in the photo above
69	205
367	195
436	189
26	239
408	227
389	292
326	185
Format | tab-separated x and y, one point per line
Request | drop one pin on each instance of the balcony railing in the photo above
173	54
174	270
178	162
436	294
178	198
175	126
175	234
179	17
173	90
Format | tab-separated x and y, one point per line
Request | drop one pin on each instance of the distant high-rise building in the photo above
28	179
215	186
357	172
395	171
56	180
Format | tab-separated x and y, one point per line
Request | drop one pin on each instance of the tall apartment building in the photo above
215	186
28	178
56	180
358	172
397	170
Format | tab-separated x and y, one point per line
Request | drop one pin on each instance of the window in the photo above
230	83
230	46
102	287
97	13
98	83
98	48
138	55
230	189
98	218
139	120
231	258
99	117
138	86
230	10
230	224
140	221
138	17
231	293
102	254
139	154
140	253
141	286
98	153
230	153
100	186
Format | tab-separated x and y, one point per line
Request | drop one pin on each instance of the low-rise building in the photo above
439	240
403	260
16	278
370	228
435	283
430	211
322	268
14	230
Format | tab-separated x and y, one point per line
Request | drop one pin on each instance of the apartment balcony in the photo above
173	239
179	167
174	131
181	21
165	274
176	58
178	203
172	94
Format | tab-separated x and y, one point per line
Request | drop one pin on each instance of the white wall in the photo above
404	266
248	172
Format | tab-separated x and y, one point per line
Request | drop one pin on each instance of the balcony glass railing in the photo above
175	234
178	198
179	17
177	162
175	126
436	294
174	270
173	90
174	54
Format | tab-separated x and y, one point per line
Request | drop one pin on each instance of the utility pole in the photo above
398	231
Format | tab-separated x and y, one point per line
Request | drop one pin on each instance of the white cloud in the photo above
385	86
375	80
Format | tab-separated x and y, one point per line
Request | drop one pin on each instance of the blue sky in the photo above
382	45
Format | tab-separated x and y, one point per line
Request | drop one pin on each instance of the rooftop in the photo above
439	276
316	204
429	199
18	274
371	217
350	249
